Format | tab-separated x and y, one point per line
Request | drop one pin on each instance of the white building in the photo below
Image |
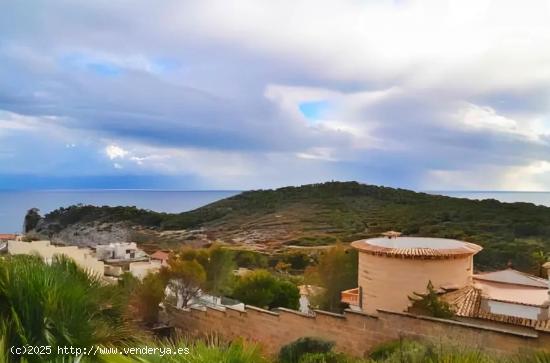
119	251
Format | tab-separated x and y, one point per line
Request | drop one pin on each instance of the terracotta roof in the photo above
511	276
417	247
160	255
7	236
466	302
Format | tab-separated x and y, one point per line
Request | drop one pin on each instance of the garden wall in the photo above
354	333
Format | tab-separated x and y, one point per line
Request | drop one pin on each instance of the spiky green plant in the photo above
57	304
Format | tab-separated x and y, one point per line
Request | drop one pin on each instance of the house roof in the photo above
513	293
7	236
417	247
466	302
160	255
511	276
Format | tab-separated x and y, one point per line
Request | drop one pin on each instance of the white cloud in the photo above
409	85
477	45
115	152
325	154
534	176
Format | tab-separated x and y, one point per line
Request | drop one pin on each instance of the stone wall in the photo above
354	333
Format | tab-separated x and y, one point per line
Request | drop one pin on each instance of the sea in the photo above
14	204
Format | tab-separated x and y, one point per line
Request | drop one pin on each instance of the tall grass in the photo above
406	351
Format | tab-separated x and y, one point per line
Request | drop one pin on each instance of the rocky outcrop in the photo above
83	234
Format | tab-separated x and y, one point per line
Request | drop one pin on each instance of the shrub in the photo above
293	352
384	351
329	357
260	288
430	304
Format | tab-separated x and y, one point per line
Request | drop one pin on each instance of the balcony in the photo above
350	296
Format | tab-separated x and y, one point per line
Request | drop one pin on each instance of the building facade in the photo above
392	268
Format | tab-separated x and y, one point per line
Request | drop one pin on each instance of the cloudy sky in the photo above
218	94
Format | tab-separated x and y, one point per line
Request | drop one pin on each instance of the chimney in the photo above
391	234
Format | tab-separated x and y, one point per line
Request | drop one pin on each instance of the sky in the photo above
248	94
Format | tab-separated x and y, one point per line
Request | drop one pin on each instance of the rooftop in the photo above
511	276
513	286
466	302
161	255
512	293
416	247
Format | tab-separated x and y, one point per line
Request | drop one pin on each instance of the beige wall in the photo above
387	282
354	333
83	257
141	269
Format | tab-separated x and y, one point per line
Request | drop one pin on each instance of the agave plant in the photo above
57	304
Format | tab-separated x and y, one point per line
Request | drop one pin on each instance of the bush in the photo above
411	351
293	352
384	351
430	304
251	259
260	288
329	357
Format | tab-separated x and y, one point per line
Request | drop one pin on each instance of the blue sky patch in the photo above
104	69
78	61
314	110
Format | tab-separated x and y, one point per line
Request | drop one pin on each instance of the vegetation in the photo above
197	352
331	212
335	271
185	277
294	352
58	304
191	270
407	351
31	219
200	352
219	267
430	304
262	289
147	296
251	259
539	258
314	350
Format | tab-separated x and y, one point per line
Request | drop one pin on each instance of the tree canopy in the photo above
335	271
262	289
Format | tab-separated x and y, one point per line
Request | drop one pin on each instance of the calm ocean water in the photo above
14	204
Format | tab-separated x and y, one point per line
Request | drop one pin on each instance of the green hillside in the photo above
321	214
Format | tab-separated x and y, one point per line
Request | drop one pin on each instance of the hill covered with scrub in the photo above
321	214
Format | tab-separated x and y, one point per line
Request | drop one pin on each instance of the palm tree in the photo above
57	304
